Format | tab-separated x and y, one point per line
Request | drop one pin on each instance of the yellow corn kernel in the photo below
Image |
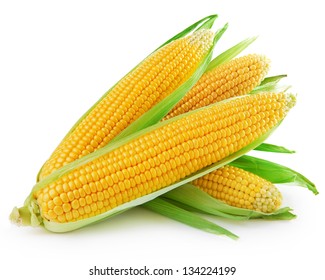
202	146
154	79
244	189
234	78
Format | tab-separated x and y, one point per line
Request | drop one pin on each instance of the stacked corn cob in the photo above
160	157
113	159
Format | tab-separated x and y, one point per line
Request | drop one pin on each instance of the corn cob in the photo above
163	155
150	82
234	78
240	188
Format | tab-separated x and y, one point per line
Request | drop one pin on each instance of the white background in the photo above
58	57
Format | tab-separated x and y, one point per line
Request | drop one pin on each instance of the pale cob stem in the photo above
241	188
150	82
157	158
234	78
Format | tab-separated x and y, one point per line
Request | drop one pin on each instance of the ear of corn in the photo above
155	78
155	160
241	188
234	78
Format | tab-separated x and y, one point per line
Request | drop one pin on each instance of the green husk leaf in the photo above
270	87
170	210
282	214
273	79
208	20
271	84
193	199
265	147
183	206
273	172
230	53
191	196
207	23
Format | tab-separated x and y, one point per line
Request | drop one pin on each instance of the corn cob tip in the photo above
266	62
268	199
291	100
202	37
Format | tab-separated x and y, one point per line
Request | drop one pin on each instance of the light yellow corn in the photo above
241	188
161	157
234	78
154	79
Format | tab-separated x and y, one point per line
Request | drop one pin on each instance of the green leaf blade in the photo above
273	79
192	196
273	172
230	53
206	21
271	84
169	210
265	147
